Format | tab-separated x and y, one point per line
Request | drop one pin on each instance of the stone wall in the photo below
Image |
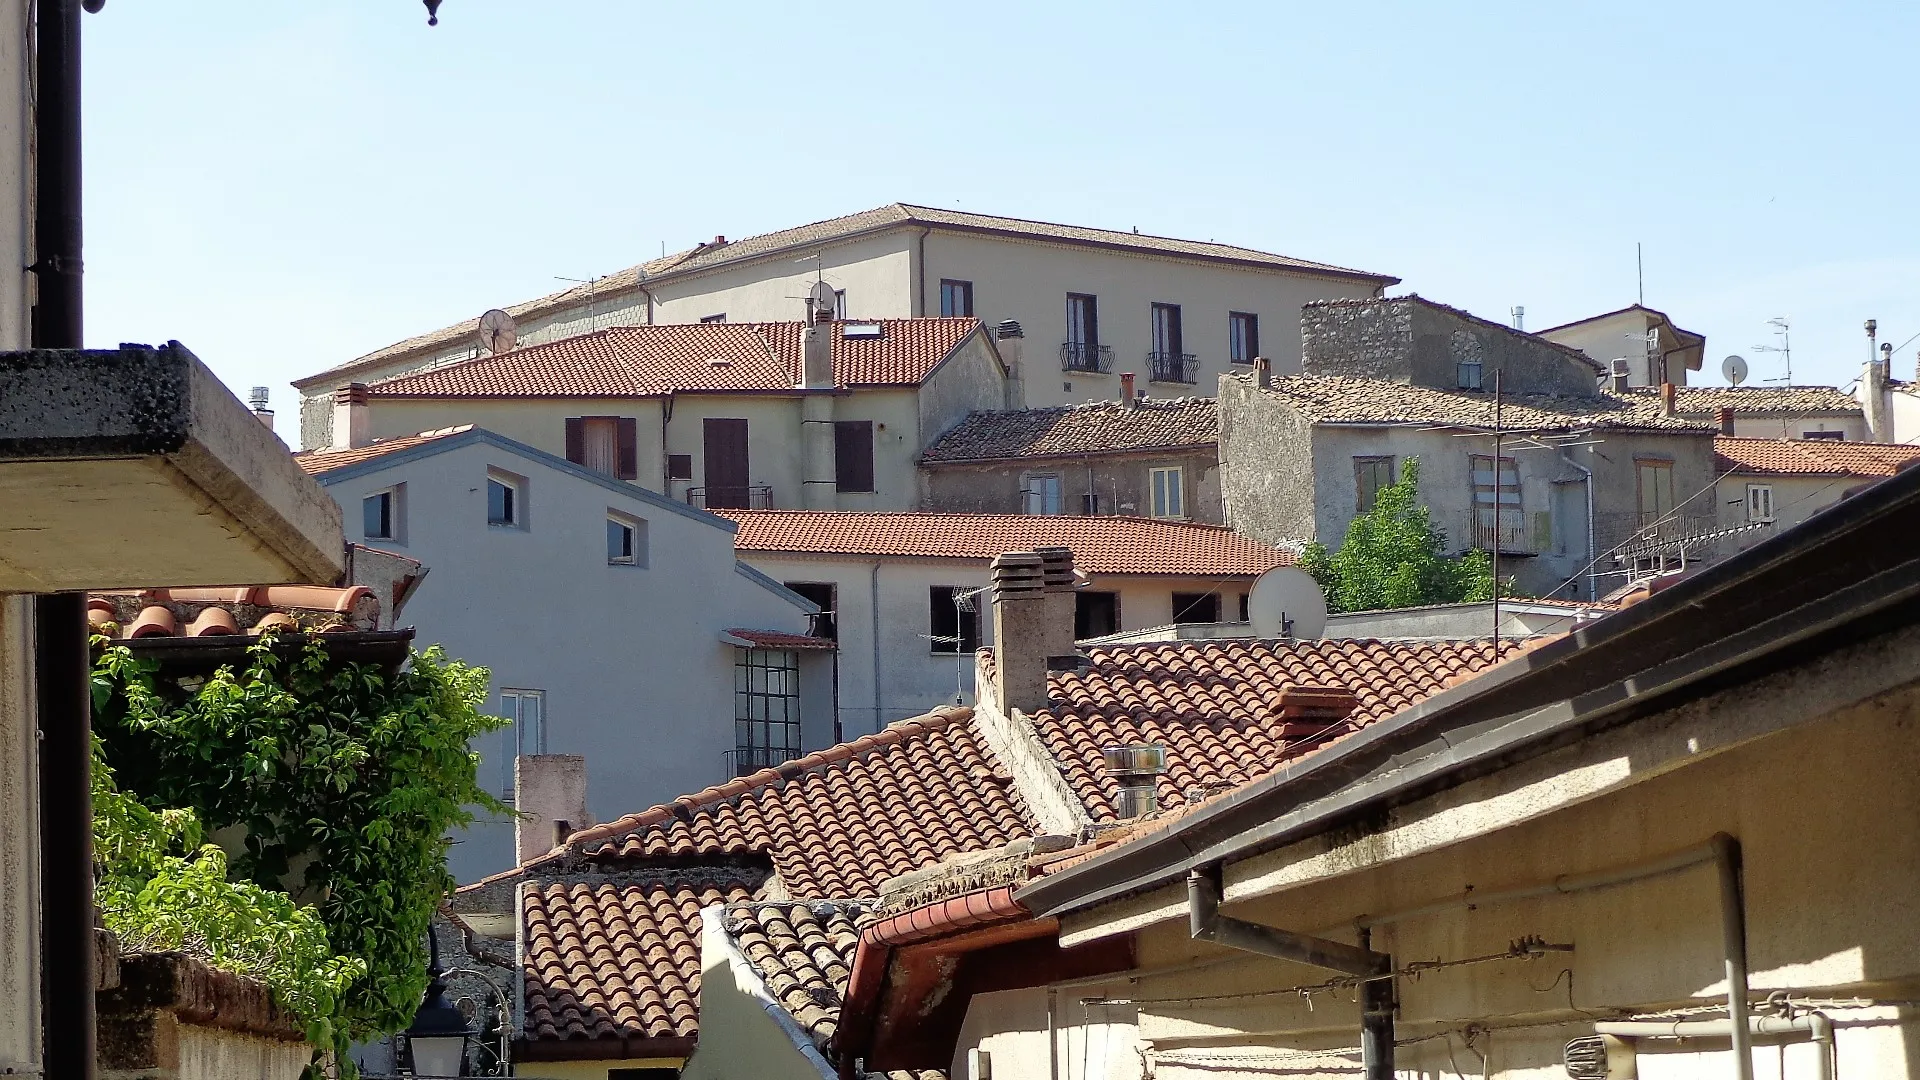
1121	482
1410	340
1267	488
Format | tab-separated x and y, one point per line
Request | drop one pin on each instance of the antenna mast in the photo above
1499	483
1640	273
1785	348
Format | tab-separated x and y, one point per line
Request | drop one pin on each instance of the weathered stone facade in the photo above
1120	484
1411	340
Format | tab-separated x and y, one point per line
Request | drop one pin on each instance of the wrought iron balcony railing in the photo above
1514	537
748	497
1086	356
1172	367
747	760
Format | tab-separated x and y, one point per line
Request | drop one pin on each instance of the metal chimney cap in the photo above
1135	759
1009	329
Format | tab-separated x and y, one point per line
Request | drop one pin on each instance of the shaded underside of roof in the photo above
1102	427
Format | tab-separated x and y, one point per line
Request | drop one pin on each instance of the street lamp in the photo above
437	1039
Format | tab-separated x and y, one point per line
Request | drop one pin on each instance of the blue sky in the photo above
284	186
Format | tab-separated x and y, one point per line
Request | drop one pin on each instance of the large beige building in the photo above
1094	303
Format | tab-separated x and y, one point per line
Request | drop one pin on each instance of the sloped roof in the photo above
1214	704
645	361
1101	427
232	610
1685	335
707	256
839	822
1707	401
1334	399
1812	457
1101	545
315	462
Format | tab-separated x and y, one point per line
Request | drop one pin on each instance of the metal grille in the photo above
766	709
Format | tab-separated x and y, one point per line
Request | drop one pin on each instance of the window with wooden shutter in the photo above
626	448
605	444
853	455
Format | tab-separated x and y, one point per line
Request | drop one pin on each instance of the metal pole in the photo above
1376	1021
56	210
1733	931
1499	491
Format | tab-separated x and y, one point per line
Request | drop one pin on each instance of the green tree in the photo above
1394	556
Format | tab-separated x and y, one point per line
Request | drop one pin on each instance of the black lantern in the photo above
437	1039
433	12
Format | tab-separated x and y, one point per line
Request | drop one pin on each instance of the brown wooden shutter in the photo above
627	448
577	439
853	455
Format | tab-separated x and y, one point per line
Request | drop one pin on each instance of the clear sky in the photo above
285	185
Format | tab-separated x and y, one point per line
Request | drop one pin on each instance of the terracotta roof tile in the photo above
1812	457
316	462
1101	545
1334	399
1707	401
839	822
642	361
1213	704
781	639
249	609
1102	427
617	961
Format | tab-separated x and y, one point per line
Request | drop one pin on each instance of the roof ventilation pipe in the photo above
1263	372
1126	390
1136	769
1013	344
1019	632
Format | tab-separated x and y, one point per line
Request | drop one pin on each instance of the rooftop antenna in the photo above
593	293
1781	330
1499	493
1640	274
1735	369
497	331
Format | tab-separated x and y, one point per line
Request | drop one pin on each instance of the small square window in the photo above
1040	493
956	297
679	466
506	499
1760	502
626	540
1467	374
718	317
380	515
1370	474
1169	494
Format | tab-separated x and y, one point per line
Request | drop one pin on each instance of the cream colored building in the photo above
1089	300
1770	485
1650	348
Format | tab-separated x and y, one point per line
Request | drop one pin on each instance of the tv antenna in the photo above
497	331
593	292
1735	369
1781	330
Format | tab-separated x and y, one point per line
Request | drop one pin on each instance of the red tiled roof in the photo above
839	822
649	361
316	462
1707	401
1101	545
780	639
1101	427
1213	704
248	609
617	961
1812	457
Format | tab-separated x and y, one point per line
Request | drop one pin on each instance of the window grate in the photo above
766	709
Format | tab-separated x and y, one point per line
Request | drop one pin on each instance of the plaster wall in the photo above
589	1070
1624	334
1028	281
1082	1042
875	272
1749	426
205	1053
1121	482
1267	475
630	657
733	1004
972	378
1904	410
1795	499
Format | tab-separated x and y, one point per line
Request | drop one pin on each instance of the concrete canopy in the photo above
136	467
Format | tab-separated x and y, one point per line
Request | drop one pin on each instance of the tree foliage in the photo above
1394	556
330	787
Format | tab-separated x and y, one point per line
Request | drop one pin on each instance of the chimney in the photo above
1519	317
1311	710
550	793
1013	343
816	352
1135	768
1262	372
1666	399
351	419
1873	392
257	401
1126	390
1726	419
1057	582
1019	632
1618	374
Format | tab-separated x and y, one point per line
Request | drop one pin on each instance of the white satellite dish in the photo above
1735	369
820	298
497	333
1287	602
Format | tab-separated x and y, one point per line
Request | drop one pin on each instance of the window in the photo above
766	709
1370	474
1166	330
1040	493
956	297
1095	614
1656	488
1083	319
1496	488
1243	336
506	499
1196	607
1246	607
1169	495
525	732
1759	502
679	466
823	594
1837	435
840	304
853	455
1467	375
626	540
717	317
605	444
953	619
380	515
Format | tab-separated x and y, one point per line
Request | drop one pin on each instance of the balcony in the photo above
1171	367
1513	537
747	760
1086	356
749	497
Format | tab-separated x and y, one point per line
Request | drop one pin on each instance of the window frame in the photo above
842	483
680	467
1824	435
1765	494
1477	383
515	501
1193	599
1243	336
394	511
1173	343
636	529
716	317
1088	328
826	595
1159	504
958	289
751	754
965	624
516	735
1083	615
1663	471
1029	494
840	305
1364	499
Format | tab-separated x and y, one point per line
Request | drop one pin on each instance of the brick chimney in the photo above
1058	585
352	421
1726	419
816	352
1012	342
1126	390
1262	372
1873	394
550	792
1666	399
1309	710
1019	631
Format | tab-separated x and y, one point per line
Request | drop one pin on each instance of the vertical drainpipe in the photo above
873	604
666	466
61	692
1593	556
919	305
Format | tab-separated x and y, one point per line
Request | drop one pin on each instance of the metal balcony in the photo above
1170	367
1513	537
1086	356
747	760
749	497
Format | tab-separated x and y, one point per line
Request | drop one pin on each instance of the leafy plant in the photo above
331	784
1394	556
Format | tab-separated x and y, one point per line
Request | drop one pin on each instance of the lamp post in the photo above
437	1038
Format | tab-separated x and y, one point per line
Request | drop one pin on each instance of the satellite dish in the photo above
1287	602
1735	369
497	333
819	298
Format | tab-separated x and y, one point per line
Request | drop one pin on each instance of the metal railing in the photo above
1514	537
748	497
1631	535
1086	356
1172	367
747	760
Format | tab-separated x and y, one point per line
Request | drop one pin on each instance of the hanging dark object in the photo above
433	12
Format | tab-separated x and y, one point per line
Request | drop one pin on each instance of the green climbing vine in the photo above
287	818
